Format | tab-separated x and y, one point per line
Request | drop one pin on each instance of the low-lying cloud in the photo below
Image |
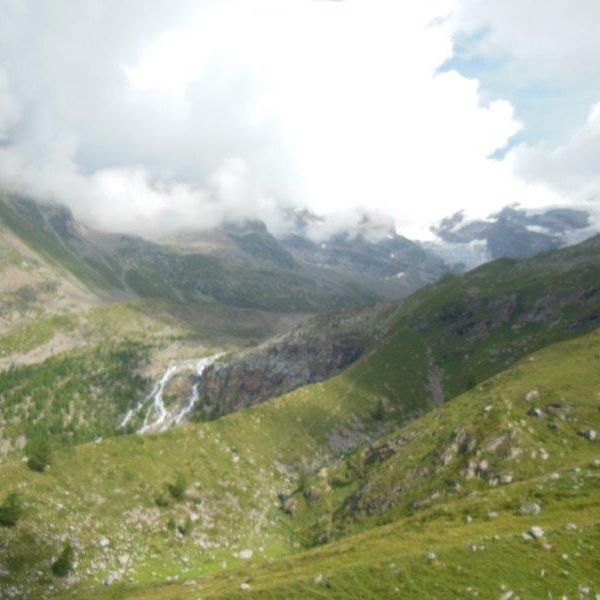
148	117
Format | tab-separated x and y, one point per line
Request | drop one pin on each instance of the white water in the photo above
158	418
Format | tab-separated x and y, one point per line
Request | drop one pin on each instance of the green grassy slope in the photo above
243	469
442	341
470	539
236	468
243	466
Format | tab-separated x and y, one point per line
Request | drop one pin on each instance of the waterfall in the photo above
158	418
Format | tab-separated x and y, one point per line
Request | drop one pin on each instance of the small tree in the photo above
380	411
63	565
11	510
39	454
179	488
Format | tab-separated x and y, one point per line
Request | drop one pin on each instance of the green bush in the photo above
186	527
380	411
63	565
179	487
11	510
162	501
39	454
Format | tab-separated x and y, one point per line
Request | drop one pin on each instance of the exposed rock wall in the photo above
306	355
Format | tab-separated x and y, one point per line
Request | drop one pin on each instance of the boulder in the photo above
536	532
530	509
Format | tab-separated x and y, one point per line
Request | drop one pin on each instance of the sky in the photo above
151	116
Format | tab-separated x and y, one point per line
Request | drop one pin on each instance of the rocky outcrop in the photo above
308	354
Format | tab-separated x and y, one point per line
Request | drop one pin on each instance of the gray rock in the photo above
289	506
584	590
530	509
536	532
589	434
111	578
124	559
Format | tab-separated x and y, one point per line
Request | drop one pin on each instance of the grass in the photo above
475	530
24	338
238	466
370	486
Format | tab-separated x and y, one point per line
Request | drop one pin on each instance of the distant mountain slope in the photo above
440	342
374	258
125	266
511	233
393	265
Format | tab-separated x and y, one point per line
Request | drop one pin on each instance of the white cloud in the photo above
142	115
555	39
10	111
547	57
573	169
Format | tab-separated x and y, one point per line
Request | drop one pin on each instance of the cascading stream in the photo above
158	417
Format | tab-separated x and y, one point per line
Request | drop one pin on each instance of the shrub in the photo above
39	454
380	412
186	527
179	487
303	482
63	565
11	510
162	501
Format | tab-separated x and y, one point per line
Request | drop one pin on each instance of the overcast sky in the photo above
144	116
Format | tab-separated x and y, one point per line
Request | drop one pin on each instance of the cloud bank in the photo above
147	117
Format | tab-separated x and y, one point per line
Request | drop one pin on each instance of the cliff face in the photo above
306	355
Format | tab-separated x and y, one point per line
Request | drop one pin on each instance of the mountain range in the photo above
227	413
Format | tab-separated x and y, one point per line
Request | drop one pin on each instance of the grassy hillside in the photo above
72	376
118	489
313	467
474	536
